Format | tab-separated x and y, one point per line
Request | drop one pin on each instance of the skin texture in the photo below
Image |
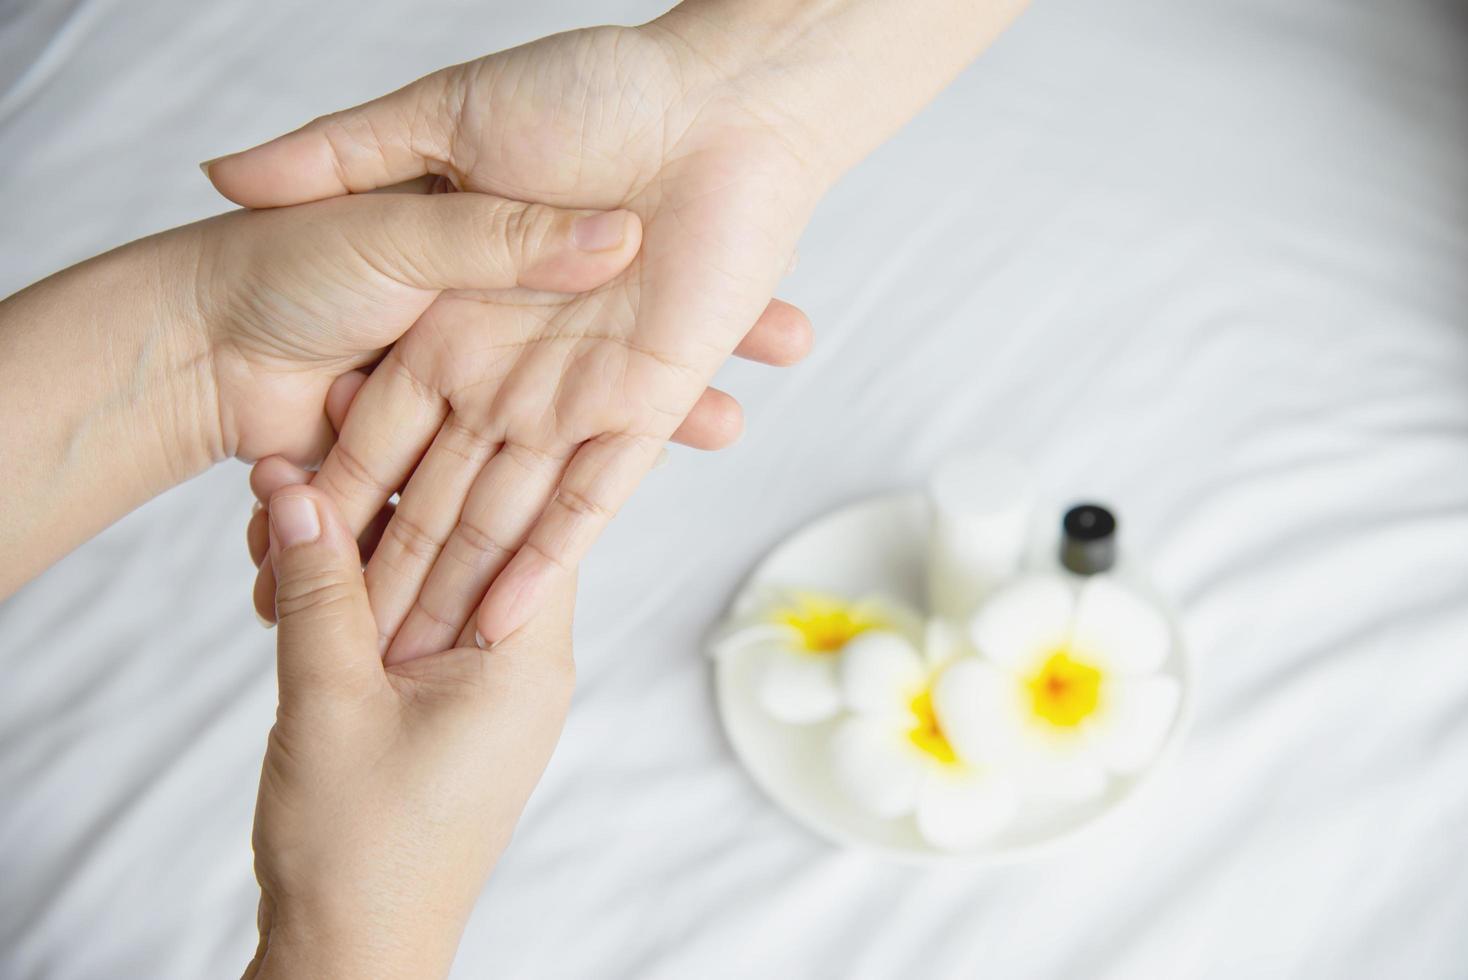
387	793
720	125
543	439
225	338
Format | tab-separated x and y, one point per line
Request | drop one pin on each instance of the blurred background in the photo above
1205	261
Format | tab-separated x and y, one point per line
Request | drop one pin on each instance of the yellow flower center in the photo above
927	735
825	625
1065	692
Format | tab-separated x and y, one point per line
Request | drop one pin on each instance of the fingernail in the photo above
264	623
794	260
599	232
256	508
209	163
480	642
294	521
662	459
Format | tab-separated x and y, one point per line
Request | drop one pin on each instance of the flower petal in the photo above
944	642
959	811
1135	718
1024	621
797	688
880	673
977	707
876	769
741	634
899	616
1119	630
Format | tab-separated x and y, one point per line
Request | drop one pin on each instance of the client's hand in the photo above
546	437
387	793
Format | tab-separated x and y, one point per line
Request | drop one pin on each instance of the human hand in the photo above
223	338
438	383
289	300
387	793
545	439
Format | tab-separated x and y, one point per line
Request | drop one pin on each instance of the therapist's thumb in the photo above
327	639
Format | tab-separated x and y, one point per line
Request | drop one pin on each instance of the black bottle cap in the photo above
1088	541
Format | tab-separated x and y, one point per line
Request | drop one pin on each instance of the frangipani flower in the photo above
801	636
893	756
1066	682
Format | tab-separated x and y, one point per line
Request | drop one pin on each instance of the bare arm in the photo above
107	396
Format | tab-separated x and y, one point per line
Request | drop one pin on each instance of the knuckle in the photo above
479	540
531	227
412	538
312	592
583	506
549	556
467	442
355	470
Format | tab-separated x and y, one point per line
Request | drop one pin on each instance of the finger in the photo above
715	422
393	420
427	512
598	480
780	337
275	473
405	134
394	416
326	648
266	477
257	535
513	491
477	241
340	395
547	634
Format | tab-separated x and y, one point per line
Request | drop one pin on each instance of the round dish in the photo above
880	545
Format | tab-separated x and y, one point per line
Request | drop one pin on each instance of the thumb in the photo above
327	643
404	134
478	241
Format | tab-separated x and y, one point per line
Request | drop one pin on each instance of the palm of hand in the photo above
566	420
282	278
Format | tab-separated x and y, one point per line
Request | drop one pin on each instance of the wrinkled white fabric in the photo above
1206	262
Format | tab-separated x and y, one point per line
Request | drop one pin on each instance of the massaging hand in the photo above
720	124
387	793
294	298
223	338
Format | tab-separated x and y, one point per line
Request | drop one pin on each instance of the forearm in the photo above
845	73
106	396
396	952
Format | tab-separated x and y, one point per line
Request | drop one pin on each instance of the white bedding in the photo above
1207	261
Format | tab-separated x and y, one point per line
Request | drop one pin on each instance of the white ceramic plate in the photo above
880	545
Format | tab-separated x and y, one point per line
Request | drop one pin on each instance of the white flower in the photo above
1067	682
892	754
799	636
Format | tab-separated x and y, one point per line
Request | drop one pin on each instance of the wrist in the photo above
298	942
738	57
845	73
186	398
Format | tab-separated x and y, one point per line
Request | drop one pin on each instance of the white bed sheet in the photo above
1208	261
